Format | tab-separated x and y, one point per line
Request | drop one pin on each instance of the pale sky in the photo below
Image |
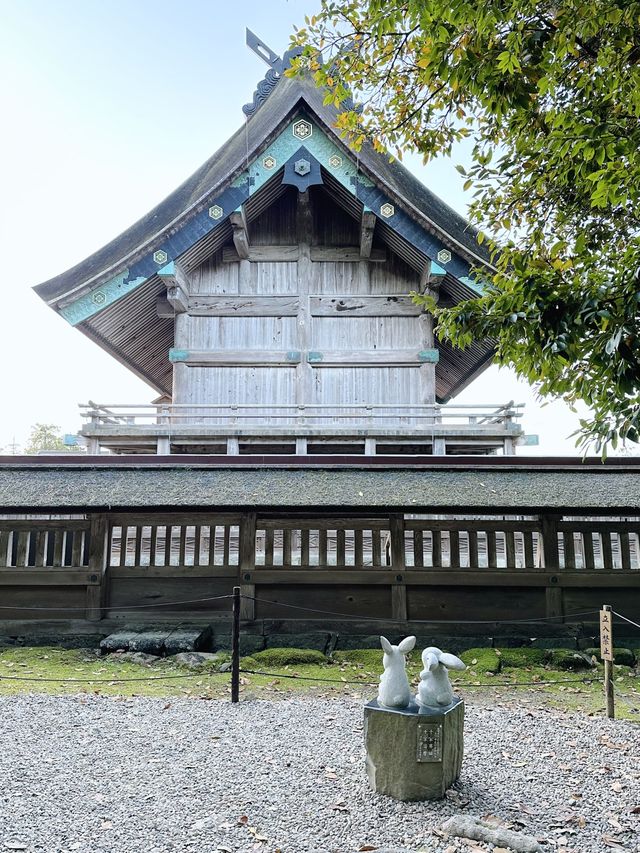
106	108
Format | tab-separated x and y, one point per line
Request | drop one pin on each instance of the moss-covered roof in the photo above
483	488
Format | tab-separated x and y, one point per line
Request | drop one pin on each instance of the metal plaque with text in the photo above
429	742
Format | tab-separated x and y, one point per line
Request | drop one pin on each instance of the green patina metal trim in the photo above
532	440
89	304
332	158
176	355
294	356
436	269
429	356
314	357
169	269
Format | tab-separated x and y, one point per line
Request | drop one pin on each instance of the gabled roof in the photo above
120	280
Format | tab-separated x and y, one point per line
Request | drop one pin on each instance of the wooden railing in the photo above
393	566
277	415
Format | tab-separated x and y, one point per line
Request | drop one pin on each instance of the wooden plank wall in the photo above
353	317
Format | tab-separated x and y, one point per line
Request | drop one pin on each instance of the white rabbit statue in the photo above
435	688
394	690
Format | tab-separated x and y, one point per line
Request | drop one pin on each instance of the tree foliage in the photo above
43	437
549	92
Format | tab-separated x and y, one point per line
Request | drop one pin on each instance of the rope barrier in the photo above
108	680
630	621
458	685
120	607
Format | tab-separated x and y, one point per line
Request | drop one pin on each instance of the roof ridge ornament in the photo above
277	66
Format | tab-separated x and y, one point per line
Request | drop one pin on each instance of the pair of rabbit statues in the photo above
434	690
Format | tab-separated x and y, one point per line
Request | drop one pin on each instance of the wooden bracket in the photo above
367	227
240	233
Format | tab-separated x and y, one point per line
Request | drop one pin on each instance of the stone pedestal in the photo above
415	753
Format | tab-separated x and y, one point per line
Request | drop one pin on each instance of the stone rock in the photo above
413	754
118	642
188	638
249	643
465	826
202	660
151	642
347	642
135	657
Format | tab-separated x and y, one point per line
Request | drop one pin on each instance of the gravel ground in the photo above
103	775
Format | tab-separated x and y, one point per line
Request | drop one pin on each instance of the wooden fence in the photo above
400	567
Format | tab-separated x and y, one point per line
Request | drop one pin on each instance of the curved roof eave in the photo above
230	160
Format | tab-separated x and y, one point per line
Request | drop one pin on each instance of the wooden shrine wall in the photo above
304	320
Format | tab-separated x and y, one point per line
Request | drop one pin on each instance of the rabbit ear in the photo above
386	645
451	661
407	644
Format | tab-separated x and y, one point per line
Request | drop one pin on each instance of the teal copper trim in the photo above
429	356
89	304
294	356
314	357
177	355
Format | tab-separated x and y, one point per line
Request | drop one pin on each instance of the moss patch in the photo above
523	657
369	658
622	657
482	660
565	659
289	657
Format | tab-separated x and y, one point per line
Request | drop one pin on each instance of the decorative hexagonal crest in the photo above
98	298
302	129
335	161
302	167
160	257
444	256
216	212
269	162
387	210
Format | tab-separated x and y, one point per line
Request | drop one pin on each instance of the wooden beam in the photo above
345	254
304	218
430	282
240	233
247	306
367	227
177	299
232	358
265	254
364	306
392	358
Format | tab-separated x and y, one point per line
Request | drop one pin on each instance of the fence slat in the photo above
168	536
304	547
153	539
41	548
268	547
473	549
322	547
492	553
454	548
587	546
4	547
286	547
376	548
418	548
76	554
358	549
569	549
196	544
436	545
529	559
607	554
212	544
510	548
138	552
625	549
226	545
340	549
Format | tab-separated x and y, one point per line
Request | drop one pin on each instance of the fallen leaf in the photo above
611	842
243	819
617	787
366	847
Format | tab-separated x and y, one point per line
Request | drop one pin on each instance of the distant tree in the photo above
45	437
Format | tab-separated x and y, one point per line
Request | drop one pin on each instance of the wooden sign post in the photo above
606	653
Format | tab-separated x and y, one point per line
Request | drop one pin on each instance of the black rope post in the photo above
235	647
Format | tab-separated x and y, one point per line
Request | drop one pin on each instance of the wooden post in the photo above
235	647
399	589
606	653
550	542
98	551
247	564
